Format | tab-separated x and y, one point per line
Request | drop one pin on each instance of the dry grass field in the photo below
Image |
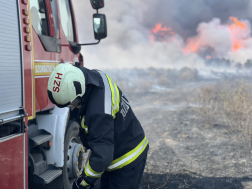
199	130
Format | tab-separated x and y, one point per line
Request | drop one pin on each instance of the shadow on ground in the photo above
191	181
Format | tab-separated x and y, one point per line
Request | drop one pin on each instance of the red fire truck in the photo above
39	143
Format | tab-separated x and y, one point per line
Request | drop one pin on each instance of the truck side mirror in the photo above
97	4
100	31
100	26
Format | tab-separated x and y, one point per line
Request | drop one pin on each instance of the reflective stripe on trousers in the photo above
129	157
90	172
83	183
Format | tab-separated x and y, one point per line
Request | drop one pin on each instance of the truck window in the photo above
66	19
55	17
38	15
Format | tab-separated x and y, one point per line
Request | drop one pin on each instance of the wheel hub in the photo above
75	159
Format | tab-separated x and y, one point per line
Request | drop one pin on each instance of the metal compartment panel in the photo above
10	61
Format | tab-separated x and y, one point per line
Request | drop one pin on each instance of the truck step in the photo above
47	176
40	139
50	175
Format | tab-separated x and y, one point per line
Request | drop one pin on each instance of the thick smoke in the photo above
130	21
183	16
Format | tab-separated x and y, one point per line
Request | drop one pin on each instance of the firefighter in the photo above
108	127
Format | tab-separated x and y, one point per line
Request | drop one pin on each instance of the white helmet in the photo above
66	85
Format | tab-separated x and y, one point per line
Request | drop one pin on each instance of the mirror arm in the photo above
89	43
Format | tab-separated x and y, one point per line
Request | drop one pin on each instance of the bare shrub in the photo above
237	109
228	103
206	103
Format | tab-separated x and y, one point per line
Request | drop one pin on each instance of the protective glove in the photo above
79	183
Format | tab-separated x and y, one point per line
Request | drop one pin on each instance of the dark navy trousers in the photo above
125	178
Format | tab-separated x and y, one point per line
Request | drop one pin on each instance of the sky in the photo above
166	33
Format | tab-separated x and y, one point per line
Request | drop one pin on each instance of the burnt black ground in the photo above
197	181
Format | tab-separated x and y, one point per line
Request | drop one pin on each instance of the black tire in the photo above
71	131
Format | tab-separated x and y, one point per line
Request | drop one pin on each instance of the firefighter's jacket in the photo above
109	127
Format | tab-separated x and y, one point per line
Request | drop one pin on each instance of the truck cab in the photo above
54	29
39	143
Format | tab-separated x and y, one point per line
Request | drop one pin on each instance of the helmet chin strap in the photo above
71	107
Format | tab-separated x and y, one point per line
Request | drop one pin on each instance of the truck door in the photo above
46	45
68	31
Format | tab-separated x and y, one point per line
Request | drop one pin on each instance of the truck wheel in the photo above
73	155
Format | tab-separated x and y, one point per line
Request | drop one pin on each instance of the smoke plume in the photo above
167	33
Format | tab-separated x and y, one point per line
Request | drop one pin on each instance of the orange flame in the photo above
192	46
237	23
236	28
159	30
